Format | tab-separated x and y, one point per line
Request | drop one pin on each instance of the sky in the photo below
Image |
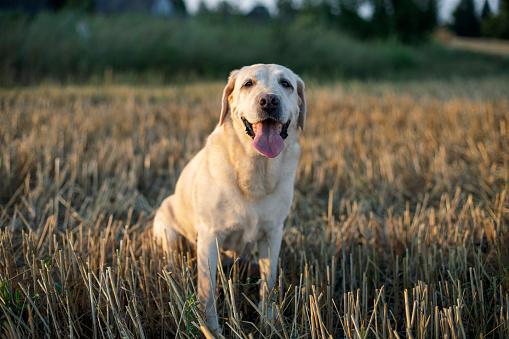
446	7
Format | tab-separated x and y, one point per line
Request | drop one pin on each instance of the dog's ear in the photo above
302	105
226	94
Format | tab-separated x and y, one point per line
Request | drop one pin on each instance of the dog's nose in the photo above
268	101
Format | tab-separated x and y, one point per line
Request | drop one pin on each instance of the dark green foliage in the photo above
180	7
226	9
410	21
466	22
68	44
13	300
76	46
203	11
319	12
286	10
414	20
86	5
497	26
381	20
352	23
486	11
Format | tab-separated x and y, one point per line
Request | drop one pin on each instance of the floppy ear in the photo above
302	106
226	93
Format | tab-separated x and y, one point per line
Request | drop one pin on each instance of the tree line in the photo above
408	21
468	23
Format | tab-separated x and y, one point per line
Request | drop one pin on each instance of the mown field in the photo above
399	226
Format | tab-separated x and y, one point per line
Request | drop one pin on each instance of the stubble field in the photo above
398	229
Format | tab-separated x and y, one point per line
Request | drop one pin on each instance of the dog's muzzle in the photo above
251	133
268	136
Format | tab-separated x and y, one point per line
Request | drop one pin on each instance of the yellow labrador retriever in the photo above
238	189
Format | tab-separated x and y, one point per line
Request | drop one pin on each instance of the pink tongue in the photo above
267	140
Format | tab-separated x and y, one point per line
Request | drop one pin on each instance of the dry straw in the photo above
399	226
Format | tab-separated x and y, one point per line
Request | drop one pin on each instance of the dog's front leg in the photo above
268	253
207	266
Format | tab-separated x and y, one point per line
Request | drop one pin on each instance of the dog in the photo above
237	191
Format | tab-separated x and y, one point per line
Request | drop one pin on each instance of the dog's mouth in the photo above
267	136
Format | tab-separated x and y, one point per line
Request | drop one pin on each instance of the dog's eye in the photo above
248	83
286	84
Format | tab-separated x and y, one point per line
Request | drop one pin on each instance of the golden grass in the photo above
399	227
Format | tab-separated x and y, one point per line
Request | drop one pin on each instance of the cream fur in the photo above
232	194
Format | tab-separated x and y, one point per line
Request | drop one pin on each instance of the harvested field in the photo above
399	226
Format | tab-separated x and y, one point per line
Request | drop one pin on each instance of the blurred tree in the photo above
259	12
486	10
86	5
414	20
316	12
411	21
286	10
497	26
226	9
222	12
180	7
466	22
381	19
203	10
31	6
350	21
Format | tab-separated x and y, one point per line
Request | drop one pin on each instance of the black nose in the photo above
268	101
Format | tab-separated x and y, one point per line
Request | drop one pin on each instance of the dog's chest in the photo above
250	222
258	180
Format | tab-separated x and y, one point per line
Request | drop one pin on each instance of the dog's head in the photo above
267	101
